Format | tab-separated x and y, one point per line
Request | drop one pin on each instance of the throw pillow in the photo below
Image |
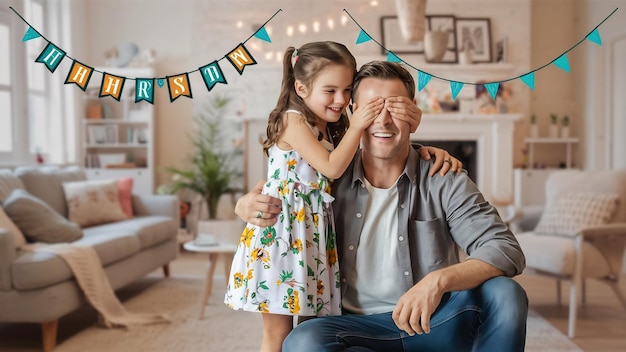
93	202
37	220
570	212
6	223
125	192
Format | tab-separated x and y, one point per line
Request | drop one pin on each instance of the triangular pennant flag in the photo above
262	34
594	36
112	86
144	90
79	74
31	33
391	57
422	80
455	87
529	79
562	63
179	86
363	37
240	58
212	74
492	88
51	56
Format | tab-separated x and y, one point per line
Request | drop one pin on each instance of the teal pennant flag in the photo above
391	57
262	34
160	82
422	80
492	88
51	56
212	74
144	90
594	36
30	34
529	79
363	37
562	63
455	87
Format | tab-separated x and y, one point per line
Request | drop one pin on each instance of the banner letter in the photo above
144	90
212	75
240	58
79	74
51	56
112	86
179	86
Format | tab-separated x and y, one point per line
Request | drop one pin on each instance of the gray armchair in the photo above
592	248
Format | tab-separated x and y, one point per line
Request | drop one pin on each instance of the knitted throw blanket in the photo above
89	274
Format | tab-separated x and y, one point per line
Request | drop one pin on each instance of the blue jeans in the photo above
490	317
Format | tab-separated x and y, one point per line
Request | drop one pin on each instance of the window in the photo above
6	87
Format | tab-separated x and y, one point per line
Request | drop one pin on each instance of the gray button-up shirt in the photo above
436	214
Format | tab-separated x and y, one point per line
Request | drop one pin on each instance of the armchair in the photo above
580	234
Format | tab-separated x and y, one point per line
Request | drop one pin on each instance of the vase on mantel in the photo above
565	132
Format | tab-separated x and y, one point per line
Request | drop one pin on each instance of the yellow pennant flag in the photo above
240	58
112	86
79	74
179	85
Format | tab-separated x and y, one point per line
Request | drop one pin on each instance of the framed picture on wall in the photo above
474	34
445	23
393	40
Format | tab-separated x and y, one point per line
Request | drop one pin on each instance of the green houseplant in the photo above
213	169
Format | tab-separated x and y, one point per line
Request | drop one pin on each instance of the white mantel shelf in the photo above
493	134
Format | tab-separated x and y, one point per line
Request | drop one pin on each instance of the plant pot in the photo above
412	18
435	45
534	130
554	131
565	132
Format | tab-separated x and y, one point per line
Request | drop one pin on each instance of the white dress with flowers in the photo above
291	267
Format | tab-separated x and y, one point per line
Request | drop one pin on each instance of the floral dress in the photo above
291	267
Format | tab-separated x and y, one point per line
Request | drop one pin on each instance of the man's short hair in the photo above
384	70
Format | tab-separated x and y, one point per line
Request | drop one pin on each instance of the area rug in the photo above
222	329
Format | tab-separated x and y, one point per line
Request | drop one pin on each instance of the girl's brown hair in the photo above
310	60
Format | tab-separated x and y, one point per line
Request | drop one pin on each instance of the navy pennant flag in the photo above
51	56
212	74
240	58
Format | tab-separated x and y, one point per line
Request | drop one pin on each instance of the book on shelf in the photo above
106	134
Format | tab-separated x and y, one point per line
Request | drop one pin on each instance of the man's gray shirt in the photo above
435	215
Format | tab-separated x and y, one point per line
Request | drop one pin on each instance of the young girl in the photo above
291	268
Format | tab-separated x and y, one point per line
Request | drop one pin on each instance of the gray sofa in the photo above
38	287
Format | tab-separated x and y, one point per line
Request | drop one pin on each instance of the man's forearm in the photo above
464	276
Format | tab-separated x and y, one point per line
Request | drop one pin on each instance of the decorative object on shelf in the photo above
212	172
474	34
554	126
502	48
534	128
394	41
435	45
445	23
412	18
565	127
465	57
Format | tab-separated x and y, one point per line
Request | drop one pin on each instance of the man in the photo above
403	287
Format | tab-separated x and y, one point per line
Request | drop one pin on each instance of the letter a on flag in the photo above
240	58
144	90
51	56
79	74
212	75
179	86
112	86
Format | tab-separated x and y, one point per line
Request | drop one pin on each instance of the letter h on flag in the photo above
112	86
79	74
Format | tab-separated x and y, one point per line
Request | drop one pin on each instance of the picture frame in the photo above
392	39
445	23
474	33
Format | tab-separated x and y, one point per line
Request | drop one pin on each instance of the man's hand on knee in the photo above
415	307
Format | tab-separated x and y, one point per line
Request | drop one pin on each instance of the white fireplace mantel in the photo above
493	134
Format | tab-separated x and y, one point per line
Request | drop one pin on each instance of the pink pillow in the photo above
125	194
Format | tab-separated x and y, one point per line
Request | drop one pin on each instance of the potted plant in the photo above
565	127
213	170
534	128
554	127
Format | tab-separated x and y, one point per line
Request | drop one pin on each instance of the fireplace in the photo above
465	151
490	137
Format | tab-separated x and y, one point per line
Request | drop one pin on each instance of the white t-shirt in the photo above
376	290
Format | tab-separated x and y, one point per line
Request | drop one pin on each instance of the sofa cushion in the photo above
151	230
571	212
125	192
34	270
7	223
37	220
94	202
8	182
556	254
46	183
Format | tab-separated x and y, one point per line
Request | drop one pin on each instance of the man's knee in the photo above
505	295
304	337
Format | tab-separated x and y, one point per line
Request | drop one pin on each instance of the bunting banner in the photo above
423	77
113	85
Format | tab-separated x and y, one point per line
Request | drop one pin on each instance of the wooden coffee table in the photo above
224	250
